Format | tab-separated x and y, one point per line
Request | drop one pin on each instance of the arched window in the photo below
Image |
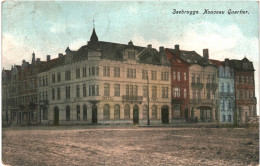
106	111
85	112
78	112
127	111
174	75
145	110
117	112
68	113
154	112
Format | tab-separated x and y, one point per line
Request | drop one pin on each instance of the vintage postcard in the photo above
130	83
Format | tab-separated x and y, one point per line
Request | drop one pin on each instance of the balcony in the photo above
203	101
44	102
197	85
132	98
212	86
221	94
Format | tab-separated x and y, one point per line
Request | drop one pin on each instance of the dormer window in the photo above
131	54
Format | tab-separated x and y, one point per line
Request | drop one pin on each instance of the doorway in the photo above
94	114
135	114
56	116
165	115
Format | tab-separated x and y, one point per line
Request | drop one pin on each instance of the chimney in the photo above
38	59
33	57
177	49
60	55
48	58
226	62
149	46
206	53
161	49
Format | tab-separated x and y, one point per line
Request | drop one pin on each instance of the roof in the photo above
242	65
47	65
192	57
216	62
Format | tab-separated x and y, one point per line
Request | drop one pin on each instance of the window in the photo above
145	111
135	90
154	92
45	114
185	76
106	90
85	112
127	111
165	76
228	88
177	111
184	93
67	91
198	79
193	77
84	90
117	112
145	90
78	73
174	75
164	92
223	118
176	92
58	93
208	79
222	87
53	78
246	78
106	111
242	79
222	105
116	72
178	76
78	112
212	79
117	89
84	71
68	113
53	94
131	73
131	54
144	74
106	71
154	112
208	94
93	90
67	75
198	94
154	75
78	91
229	104
94	71
229	118
58	77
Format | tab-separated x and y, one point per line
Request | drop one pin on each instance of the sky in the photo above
48	28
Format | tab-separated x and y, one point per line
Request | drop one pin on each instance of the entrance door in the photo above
56	116
94	114
135	114
165	115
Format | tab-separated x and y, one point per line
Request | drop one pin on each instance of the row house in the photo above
6	91
226	91
22	103
196	82
106	83
245	107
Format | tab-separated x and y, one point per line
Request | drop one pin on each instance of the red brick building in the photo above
179	83
245	90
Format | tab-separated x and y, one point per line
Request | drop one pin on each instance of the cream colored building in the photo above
106	83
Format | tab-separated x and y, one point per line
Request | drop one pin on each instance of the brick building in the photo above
179	83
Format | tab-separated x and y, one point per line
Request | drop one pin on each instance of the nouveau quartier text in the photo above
208	11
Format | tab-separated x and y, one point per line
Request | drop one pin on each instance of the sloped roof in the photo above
216	62
242	65
47	65
192	57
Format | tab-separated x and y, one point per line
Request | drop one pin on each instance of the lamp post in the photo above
148	118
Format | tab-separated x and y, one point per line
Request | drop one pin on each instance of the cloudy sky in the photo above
47	28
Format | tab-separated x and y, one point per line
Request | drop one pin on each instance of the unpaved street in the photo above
80	145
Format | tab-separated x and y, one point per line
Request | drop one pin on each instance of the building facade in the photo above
106	83
244	90
226	91
6	89
179	84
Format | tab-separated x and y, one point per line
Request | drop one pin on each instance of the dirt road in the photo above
129	146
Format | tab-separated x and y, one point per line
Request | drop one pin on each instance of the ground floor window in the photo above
177	111
229	118
106	111
78	112
85	112
127	111
117	112
45	114
223	118
145	110
154	112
